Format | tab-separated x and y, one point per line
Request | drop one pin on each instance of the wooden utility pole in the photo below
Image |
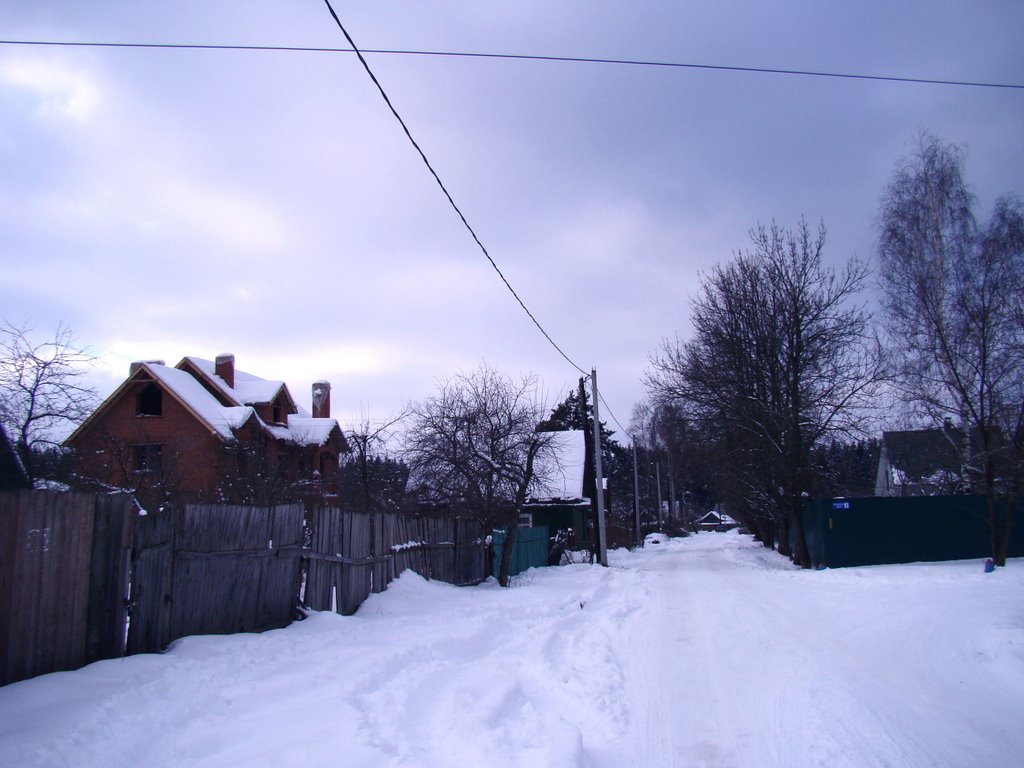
602	541
636	500
657	479
588	462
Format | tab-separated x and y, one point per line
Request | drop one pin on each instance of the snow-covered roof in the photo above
561	469
248	389
305	431
224	419
301	429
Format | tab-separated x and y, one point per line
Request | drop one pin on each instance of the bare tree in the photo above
369	443
475	445
42	392
954	293
781	358
666	437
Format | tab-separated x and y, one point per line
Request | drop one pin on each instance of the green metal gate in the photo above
530	549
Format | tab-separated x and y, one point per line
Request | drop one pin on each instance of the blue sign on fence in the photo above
840	505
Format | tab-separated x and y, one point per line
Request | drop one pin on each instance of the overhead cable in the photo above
617	422
444	189
532	57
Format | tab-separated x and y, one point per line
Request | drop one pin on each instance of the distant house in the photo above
12	472
920	462
715	521
203	431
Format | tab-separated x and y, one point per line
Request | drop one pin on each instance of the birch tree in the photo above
953	297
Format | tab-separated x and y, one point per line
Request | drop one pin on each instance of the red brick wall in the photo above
195	464
192	458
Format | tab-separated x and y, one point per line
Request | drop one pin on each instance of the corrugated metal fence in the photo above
529	549
879	530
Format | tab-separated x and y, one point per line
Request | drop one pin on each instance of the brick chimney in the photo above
321	399
225	368
139	363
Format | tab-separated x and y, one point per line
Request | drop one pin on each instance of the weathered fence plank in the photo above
113	534
61	592
353	554
149	629
80	571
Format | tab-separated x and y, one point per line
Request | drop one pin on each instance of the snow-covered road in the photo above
706	651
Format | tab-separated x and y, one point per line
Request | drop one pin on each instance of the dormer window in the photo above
278	412
150	401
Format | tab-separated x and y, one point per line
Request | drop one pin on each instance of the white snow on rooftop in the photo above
302	430
561	471
305	431
248	389
200	401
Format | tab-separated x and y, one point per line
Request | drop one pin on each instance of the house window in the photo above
327	465
150	401
147	458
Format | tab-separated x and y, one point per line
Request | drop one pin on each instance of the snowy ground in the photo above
707	651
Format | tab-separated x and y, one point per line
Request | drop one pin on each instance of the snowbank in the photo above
697	652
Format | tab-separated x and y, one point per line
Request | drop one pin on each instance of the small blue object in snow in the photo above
990	565
821	567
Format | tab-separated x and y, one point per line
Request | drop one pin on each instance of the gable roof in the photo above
223	409
223	420
219	419
561	469
919	455
248	389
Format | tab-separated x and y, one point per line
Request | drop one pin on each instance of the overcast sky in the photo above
166	203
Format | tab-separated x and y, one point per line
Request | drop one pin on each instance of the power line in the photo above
444	189
609	410
529	57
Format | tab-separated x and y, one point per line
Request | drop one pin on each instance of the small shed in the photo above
559	501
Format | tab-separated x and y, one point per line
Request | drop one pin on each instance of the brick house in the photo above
205	432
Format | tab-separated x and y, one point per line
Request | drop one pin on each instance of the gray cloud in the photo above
166	203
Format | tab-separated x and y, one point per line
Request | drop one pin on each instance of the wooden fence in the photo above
353	555
84	577
64	574
214	570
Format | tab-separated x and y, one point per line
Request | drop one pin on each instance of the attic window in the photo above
150	401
